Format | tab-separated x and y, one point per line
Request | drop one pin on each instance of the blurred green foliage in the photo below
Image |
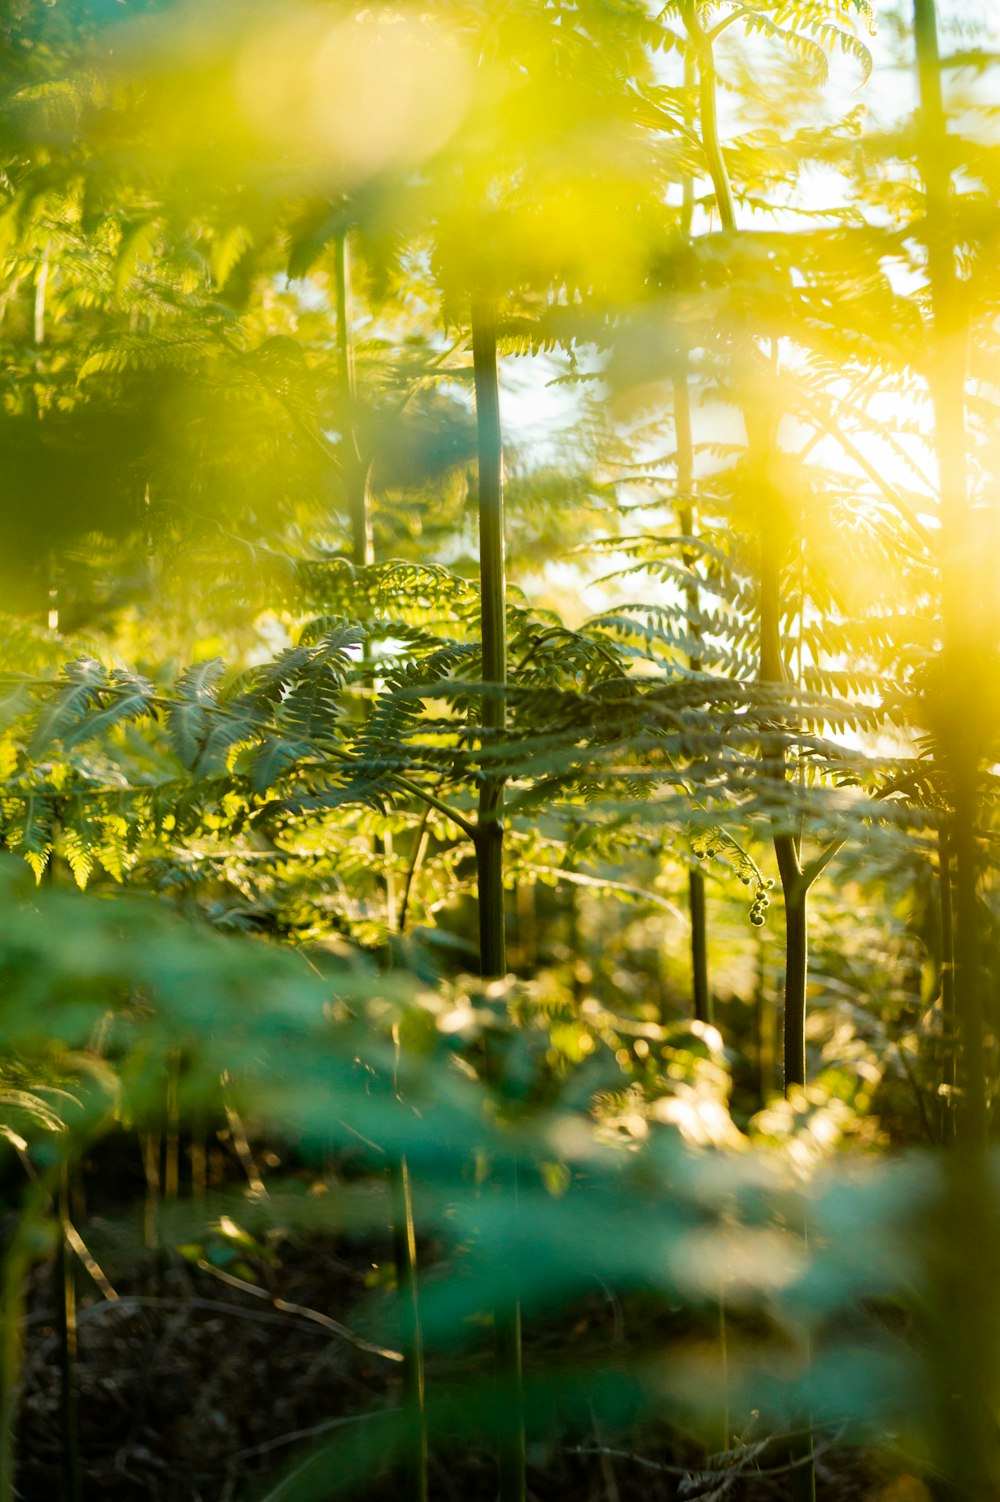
752	642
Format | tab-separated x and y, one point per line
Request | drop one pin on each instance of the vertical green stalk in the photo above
526	901
357	479
786	846
947	925
947	369
16	1266
493	606
510	1406
357	468
64	1300
764	1028
357	473
489	828
794	887
949	1053
421	839
794	884
411	1340
172	1137
701	991
802	1479
963	1359
796	976
574	941
64	1277
709	116
702	994
704	1006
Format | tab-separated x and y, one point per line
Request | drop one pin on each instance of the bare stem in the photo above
489	830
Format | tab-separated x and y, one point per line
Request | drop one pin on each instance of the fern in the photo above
28	825
80	689
187	716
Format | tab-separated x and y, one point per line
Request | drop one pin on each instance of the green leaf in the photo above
312	707
273	759
187	716
131	699
137	244
28	819
81	683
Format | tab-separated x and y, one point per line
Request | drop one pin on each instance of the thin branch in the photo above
850	448
726	22
932	1136
729	1471
77	1244
419	847
313	1315
578	878
311	1433
815	868
708	109
467	828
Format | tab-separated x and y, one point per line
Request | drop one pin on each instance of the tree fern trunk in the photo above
489	832
958	708
786	845
357	476
771	659
709	115
802	1478
493	593
489	883
701	992
962	1361
704	1009
796	962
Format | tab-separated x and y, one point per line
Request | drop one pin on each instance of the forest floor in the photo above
201	1384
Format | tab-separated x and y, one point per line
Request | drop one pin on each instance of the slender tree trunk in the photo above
709	116
764	1028
786	844
526	899
704	1005
702	995
948	1058
701	990
958	713
963	1356
796	973
357	480
489	831
493	592
357	473
802	1479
